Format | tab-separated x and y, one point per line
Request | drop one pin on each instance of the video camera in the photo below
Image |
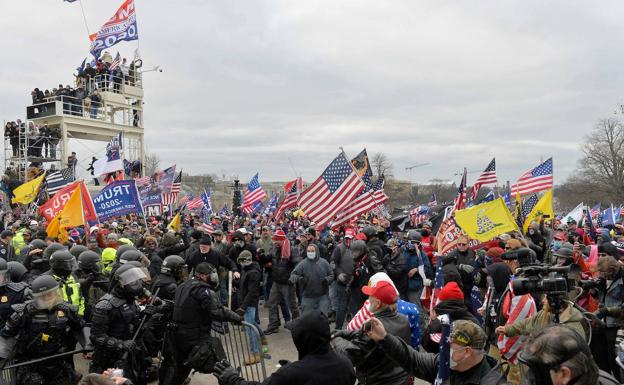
524	256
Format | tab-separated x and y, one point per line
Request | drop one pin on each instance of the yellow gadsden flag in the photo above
27	192
71	216
175	223
543	208
485	221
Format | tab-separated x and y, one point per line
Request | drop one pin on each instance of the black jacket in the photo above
318	364
425	365
372	365
396	267
456	310
213	257
249	286
282	267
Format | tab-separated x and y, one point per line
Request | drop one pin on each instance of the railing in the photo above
236	343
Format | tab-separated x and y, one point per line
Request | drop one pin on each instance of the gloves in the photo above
346	334
224	372
343	278
128	345
240	312
466	268
150	310
427	282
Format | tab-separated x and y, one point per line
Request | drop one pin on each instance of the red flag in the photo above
54	205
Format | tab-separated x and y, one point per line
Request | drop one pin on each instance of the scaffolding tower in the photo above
119	109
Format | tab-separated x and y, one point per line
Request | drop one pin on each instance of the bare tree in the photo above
381	164
152	163
603	160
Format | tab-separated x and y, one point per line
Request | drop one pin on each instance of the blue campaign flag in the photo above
610	216
121	27
271	205
206	199
80	68
118	198
444	370
507	199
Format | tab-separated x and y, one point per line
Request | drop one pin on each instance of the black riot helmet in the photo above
17	271
122	249
62	262
76	250
53	247
45	290
207	273
89	261
175	266
38	244
4	269
358	249
130	255
130	279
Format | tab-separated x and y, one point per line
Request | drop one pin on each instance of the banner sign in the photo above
165	178
55	205
153	210
150	194
121	27
117	199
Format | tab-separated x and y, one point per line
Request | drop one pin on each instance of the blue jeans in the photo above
250	318
339	302
315	303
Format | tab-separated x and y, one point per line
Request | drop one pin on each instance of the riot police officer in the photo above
37	262
11	293
45	326
196	307
36	246
17	272
93	285
61	267
115	322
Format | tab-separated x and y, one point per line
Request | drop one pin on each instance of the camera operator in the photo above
558	355
611	295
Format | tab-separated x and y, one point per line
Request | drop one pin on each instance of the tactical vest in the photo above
11	294
122	317
187	312
46	332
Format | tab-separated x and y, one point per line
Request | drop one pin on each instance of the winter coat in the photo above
395	265
314	276
249	286
415	260
570	317
613	296
282	267
425	365
456	310
342	261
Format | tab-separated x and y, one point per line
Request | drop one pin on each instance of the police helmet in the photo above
130	255
38	244
43	284
62	260
16	271
53	247
172	264
77	249
89	260
122	249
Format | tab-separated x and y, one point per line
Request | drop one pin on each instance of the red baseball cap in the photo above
349	233
383	291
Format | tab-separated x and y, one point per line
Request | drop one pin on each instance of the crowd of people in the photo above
363	303
39	141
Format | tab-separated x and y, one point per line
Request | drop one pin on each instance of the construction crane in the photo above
415	166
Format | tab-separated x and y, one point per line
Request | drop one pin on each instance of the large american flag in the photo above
337	186
520	307
115	63
169	199
253	194
207	228
536	179
193	204
59	179
176	186
368	199
460	199
292	189
488	176
419	215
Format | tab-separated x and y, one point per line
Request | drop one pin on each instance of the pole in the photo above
45	359
229	290
84	18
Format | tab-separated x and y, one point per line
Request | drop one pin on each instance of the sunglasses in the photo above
462	244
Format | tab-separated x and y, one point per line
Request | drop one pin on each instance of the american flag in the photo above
169	199
115	63
460	199
488	176
193	204
366	201
536	179
438	285
444	368
595	210
59	179
522	307
184	200
253	194
419	215
271	206
207	228
528	205
337	186
292	189
206	199
176	186
433	201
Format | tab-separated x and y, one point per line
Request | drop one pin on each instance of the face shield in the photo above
130	276
48	299
183	273
4	276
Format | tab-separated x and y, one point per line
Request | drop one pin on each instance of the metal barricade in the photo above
8	376
237	346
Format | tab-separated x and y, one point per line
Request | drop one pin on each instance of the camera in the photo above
572	236
544	279
588	284
524	256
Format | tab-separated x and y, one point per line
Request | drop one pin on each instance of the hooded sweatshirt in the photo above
314	275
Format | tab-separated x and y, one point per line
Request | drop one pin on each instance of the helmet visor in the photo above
132	275
49	298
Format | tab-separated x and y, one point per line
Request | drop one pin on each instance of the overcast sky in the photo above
249	85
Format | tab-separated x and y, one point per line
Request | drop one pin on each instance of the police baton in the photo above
59	355
136	334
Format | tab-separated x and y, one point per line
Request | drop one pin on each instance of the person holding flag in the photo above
466	363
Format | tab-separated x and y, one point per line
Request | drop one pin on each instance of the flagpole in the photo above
84	17
356	173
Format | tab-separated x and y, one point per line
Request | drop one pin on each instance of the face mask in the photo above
410	246
531	232
424	233
557	245
452	362
245	263
240	243
311	255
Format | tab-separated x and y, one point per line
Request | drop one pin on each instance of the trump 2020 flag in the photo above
116	199
121	27
113	160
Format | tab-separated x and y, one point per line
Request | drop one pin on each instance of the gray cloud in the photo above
248	86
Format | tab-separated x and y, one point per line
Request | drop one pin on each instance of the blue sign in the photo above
117	199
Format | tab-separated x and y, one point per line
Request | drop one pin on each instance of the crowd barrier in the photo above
237	347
